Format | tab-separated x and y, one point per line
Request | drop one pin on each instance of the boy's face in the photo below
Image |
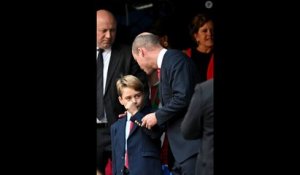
131	99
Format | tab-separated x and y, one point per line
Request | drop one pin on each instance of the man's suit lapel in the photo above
113	64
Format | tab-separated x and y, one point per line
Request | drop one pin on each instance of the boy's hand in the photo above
131	107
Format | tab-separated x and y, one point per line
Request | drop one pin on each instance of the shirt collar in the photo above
160	57
128	116
105	50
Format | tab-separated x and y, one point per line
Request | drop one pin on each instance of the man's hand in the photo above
149	120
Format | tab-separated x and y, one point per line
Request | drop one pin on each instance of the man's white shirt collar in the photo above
160	57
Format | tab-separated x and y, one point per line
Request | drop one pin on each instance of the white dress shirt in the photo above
127	128
160	57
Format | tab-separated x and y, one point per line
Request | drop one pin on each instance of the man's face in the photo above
106	30
143	62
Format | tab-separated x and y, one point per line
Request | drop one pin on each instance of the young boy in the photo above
135	150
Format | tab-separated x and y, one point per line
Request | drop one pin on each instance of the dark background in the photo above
48	84
132	21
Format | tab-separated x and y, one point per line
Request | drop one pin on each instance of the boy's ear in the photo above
120	100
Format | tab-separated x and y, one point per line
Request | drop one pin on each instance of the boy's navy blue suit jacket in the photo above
143	147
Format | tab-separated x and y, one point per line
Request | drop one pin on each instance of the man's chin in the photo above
150	72
147	72
106	45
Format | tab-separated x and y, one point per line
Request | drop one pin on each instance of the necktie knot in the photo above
100	50
100	57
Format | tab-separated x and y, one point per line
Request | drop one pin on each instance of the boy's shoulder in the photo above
120	116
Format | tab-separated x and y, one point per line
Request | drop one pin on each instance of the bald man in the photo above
116	60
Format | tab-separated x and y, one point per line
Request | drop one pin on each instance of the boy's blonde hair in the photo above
129	81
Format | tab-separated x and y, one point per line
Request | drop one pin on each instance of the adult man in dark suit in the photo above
117	61
199	123
176	87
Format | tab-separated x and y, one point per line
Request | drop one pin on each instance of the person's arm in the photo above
155	132
182	82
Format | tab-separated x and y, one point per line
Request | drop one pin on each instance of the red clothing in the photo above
164	154
108	168
210	67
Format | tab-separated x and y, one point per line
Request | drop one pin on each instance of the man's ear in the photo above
141	51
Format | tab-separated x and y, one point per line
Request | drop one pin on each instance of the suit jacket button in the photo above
122	157
121	170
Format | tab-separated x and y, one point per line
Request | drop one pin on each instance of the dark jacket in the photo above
177	81
199	123
143	147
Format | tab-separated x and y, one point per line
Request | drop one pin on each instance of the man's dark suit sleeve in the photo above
181	80
155	132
